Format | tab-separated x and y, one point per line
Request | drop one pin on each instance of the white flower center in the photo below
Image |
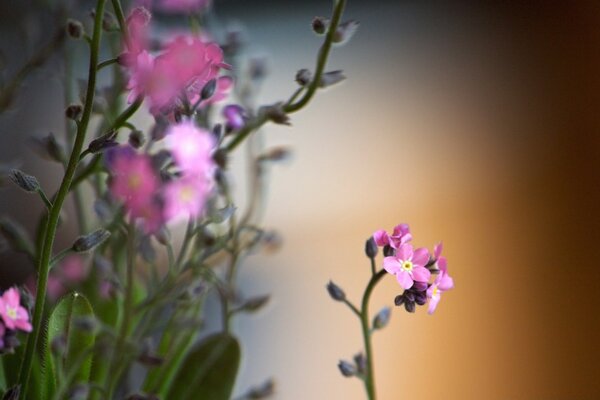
407	265
11	312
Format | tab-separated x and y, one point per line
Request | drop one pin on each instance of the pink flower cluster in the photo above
155	201
13	317
413	268
177	74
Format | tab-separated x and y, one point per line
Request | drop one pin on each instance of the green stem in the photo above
291	107
45	199
189	234
106	63
54	214
366	331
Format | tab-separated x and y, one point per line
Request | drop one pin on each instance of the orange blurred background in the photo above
476	124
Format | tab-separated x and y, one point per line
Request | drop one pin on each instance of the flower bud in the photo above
208	90
26	182
163	236
409	306
388	251
345	31
109	22
320	25
276	154
89	241
276	114
159	130
382	318
234	117
361	363
73	111
336	292
399	300
104	142
371	248
75	29
303	77
331	78
255	303
136	139
261	392
220	158
421	298
347	369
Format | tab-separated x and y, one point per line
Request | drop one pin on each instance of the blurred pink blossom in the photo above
192	149
12	313
399	236
442	283
408	265
184	198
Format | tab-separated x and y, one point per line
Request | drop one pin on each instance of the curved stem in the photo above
50	232
365	322
290	107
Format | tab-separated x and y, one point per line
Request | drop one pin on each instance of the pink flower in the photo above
183	6
192	149
12	313
137	28
400	236
442	283
184	198
234	116
408	266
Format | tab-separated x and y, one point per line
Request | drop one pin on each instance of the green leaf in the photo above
74	364
209	370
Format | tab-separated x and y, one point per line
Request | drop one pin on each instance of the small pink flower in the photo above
184	198
192	149
442	283
12	313
400	236
408	266
234	116
137	28
183	6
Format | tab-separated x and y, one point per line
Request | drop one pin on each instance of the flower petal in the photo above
381	238
420	256
446	282
404	279
12	298
391	265
442	264
420	274
437	250
405	252
433	304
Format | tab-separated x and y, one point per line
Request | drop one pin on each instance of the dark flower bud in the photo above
26	182
272	241
276	114
399	300
382	318
345	31
109	22
263	391
58	346
336	292
275	155
303	77
255	303
217	131
409	306
102	143
208	90
388	251
361	363
220	158
89	241
75	29
163	236
136	139
371	248
331	78
159	130
234	116
320	25
420	298
347	369
409	295
73	111
419	286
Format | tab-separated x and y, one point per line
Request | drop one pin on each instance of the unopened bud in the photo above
345	31
320	25
109	22
382	318
263	391
331	78
371	248
409	306
303	77
347	369
361	363
163	236
89	241
208	90
73	111
159	130
388	251
276	114
26	182
136	139
256	303
234	116
275	155
75	29
220	158
336	292
421	298
104	142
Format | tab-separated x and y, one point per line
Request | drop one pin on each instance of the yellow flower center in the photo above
407	265
187	194
11	312
134	182
435	291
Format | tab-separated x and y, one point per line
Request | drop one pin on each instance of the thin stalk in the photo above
106	63
366	331
189	233
50	232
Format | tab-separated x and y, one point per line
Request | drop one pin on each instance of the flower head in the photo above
192	149
408	266
12	313
442	283
184	198
399	236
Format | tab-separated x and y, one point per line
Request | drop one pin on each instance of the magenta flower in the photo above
137	28
185	198
192	149
12	313
234	116
400	236
442	283
408	266
183	6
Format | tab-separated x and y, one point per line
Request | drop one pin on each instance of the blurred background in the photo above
477	124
